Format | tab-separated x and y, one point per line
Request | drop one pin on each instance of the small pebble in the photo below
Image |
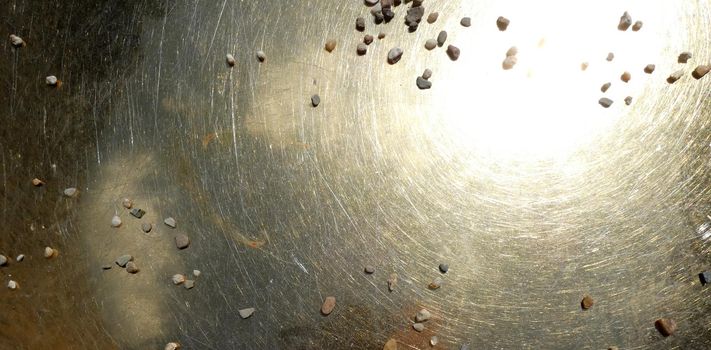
435	284
123	260
115	221
502	23
37	182
246	313
189	284
330	45
261	56
368	39
12	285
423	315
48	252
512	51
170	222
371	2
605	87
388	13
613	348
430	44
391	344
19	258
637	26
434	340
422	83
605	102
360	24
146	227
182	241
106	267
587	302
230	60
136	212
705	277
466	22
675	76
432	17
684	57
131	267
172	346
178	279
610	57
649	69
700	71
443	268
509	62
427	74
584	66
441	38
453	52
464	347
415	3
127	203
625	21
315	100
16	41
70	192
394	55
361	49
392	282
626	76
418	327
369	269
381	35
414	17
328	305
628	100
196	273
665	326
3	260
51	80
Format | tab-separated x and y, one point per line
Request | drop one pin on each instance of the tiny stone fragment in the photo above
416	3
196	273
3	260
649	69
434	340
509	62
665	326
435	284
414	17
330	45
115	221
51	80
705	277
700	71
637	26
136	212
127	203
466	22
146	227
392	282
453	52
587	302
441	38
613	348
261	56
123	260
422	83
189	284
16	41
423	315
371	2
626	76
19	258
605	87
37	182
432	17
625	21
443	268
391	344
48	252
628	100
131	267
172	346
328	305
12	285
675	76
502	23
512	51
394	55
684	57
70	192
182	241
170	222
430	44
178	279
368	39
360	24
230	60
381	35
610	57
605	102
584	66
315	100
246	313
361	49
464	347
106	267
418	327
369	269
388	13
427	74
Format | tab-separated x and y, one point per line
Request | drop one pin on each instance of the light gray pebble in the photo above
422	83
466	22
360	24
146	227
115	221
246	313
106	267
427	74
189	284
418	327
430	44
131	267
123	260
394	55
49	252
605	102
70	192
20	257
464	347
137	212
605	87
369	269
423	315
196	273
170	222
51	80
261	56
371	2
182	241
178	279
441	38
3	260
443	268
361	49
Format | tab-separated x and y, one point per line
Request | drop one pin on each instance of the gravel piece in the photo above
414	17
368	39
416	3
453	52
418	327
394	55
49	252
512	51
115	221
610	57
684	57
435	284
136	212
106	267
443	268
3	260
502	23
196	273
509	62
464	347
441	38
388	13
178	279
360	24
700	71
371	2
261	56
392	282
705	277
466	22
189	284
423	315
665	326
649	69
123	260
246	313
131	267
19	258
434	340
315	100
361	49
605	87
625	21
391	344
369	269
230	60
146	227
12	285
330	45
637	26
37	182
587	302
675	76
605	102
427	74
170	222
16	41
70	192
51	80
628	100
328	305
626	76
182	241
127	203
381	35
432	17
430	44
422	83
584	66
172	346
613	348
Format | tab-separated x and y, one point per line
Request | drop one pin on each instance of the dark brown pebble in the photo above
453	52
422	83
502	23
441	38
361	49
649	69
381	35
394	55
330	45
392	282
626	76
628	100
587	302
466	22
684	57
360	24
368	39
605	102
369	269
625	21
700	71
665	326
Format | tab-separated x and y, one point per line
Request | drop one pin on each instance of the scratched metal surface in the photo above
532	192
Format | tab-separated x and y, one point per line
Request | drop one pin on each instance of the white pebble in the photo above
261	56
70	192
48	252
230	60
51	80
20	257
16	41
172	346
170	222
246	313
196	273
178	279
12	285
423	315
434	340
116	221
430	44
3	260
